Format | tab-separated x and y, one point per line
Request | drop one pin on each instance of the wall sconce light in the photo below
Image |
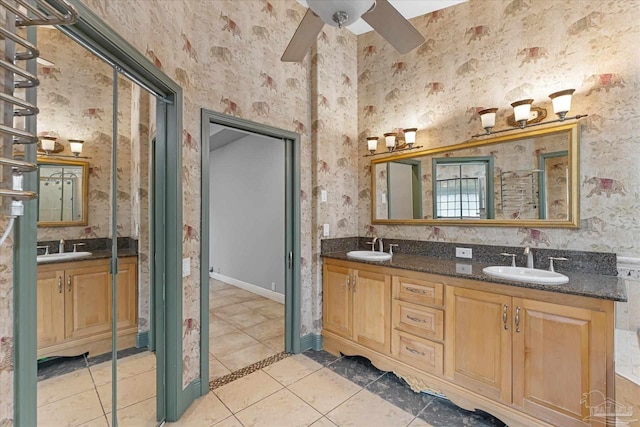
393	142
76	146
522	113
49	146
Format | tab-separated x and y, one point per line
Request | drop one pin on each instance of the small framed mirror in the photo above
63	193
524	179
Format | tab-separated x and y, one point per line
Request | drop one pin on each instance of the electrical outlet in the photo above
323	195
463	268
186	267
325	230
463	253
273	286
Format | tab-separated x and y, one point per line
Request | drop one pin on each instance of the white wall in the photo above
400	191
247	211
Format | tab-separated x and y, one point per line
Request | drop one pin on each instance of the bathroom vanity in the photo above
74	306
532	355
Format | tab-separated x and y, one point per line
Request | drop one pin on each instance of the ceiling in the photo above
408	9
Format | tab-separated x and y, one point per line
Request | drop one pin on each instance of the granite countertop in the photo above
99	254
583	284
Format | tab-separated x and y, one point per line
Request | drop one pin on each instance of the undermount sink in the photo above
369	255
529	275
63	256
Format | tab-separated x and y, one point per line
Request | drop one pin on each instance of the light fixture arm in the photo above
562	119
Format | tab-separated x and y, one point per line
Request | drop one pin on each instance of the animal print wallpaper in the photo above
489	54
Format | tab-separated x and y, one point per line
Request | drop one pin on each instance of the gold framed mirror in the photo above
524	179
63	187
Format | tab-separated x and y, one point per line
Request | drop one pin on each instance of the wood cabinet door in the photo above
478	342
372	310
50	307
127	308
337	300
87	301
559	362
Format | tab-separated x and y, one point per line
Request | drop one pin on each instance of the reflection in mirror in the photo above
62	197
523	179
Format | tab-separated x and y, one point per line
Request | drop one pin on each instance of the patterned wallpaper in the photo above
489	54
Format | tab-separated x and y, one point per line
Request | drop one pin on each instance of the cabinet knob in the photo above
349	282
517	319
69	283
59	284
504	317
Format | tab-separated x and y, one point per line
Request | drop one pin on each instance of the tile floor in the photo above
244	328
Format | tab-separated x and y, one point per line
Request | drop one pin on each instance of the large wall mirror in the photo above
527	179
62	200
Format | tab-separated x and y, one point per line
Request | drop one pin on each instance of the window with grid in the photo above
458	198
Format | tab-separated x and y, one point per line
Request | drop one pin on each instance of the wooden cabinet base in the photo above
94	345
420	381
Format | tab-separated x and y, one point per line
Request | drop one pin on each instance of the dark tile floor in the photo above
434	410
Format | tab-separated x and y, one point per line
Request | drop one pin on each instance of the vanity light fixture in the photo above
50	147
522	112
76	146
394	142
48	144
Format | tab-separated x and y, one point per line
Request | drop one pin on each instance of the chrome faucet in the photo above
373	244
380	245
61	246
529	254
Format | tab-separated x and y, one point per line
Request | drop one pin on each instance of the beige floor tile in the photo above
266	330
217	301
205	411
229	422
419	423
367	409
142	414
132	390
216	369
323	422
219	327
229	343
276	344
246	319
238	294
70	411
230	310
280	409
97	422
260	303
292	369
247	390
217	285
64	386
127	367
324	390
272	311
245	357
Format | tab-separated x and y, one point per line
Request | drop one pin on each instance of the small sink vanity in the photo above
529	345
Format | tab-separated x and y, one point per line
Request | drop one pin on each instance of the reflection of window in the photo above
459	198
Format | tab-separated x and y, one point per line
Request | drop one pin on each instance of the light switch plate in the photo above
186	267
323	195
464	253
384	198
325	230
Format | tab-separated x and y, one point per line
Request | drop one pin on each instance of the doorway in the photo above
251	137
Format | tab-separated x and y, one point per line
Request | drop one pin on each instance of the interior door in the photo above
372	310
477	323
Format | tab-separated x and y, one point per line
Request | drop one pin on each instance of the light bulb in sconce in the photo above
390	140
488	118
76	146
372	144
48	143
522	111
562	102
410	136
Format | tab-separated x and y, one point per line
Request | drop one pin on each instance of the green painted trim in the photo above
143	339
24	281
311	342
292	285
114	252
542	180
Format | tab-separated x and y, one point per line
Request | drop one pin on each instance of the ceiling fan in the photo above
380	14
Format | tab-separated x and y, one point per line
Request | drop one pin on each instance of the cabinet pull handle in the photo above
517	319
59	284
504	317
416	291
69	283
411	350
353	283
349	283
416	319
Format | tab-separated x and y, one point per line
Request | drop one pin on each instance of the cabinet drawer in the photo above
418	291
422	321
420	353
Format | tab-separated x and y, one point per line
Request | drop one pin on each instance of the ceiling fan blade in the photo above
303	38
393	27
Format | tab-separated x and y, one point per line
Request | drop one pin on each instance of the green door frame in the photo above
95	35
292	227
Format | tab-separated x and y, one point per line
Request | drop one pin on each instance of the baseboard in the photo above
249	287
142	339
311	341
